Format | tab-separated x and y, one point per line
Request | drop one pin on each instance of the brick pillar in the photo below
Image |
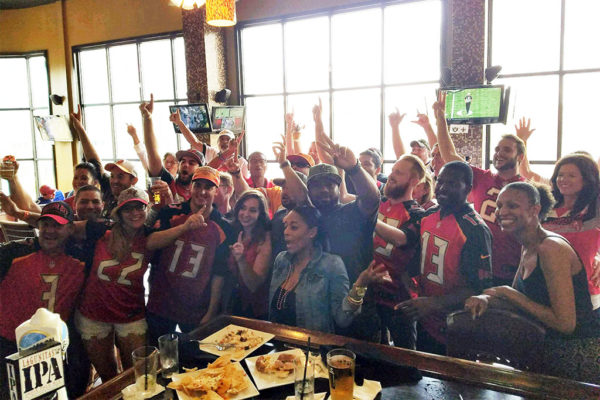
467	52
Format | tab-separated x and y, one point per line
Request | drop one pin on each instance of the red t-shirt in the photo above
506	251
180	283
455	252
404	216
39	280
268	183
114	291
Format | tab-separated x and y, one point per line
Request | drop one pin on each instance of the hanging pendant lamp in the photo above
220	12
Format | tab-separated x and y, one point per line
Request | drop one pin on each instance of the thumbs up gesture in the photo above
196	220
237	249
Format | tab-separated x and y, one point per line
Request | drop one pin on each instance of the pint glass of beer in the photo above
340	363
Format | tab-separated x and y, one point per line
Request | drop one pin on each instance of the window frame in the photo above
382	86
35	159
106	45
561	72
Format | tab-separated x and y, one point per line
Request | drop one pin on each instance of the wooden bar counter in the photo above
443	377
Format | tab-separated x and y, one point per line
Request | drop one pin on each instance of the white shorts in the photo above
88	328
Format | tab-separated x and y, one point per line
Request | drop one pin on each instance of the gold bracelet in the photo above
354	301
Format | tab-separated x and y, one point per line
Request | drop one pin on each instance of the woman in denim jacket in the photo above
310	287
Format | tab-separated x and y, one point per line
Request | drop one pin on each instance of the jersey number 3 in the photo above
437	260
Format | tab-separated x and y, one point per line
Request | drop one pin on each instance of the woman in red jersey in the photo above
251	255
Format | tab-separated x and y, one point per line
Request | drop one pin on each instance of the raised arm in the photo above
446	145
253	275
232	151
423	122
89	151
289	130
296	188
239	183
390	234
524	131
320	134
154	160
367	194
137	146
395	120
185	131
22	199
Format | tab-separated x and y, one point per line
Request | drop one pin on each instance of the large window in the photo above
113	80
362	64
25	93
553	67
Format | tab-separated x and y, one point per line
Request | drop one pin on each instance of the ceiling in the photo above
7	4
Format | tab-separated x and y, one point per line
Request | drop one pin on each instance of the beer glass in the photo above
341	363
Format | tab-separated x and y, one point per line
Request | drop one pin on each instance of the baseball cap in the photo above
281	181
129	195
420	143
195	154
227	132
208	173
45	189
59	211
324	171
124	166
301	158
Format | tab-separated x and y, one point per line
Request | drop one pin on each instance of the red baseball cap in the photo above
59	211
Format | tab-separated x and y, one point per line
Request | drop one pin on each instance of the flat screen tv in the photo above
477	104
194	116
228	117
53	128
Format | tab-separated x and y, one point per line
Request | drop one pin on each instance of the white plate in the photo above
250	391
264	380
217	336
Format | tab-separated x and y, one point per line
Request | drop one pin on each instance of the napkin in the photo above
368	391
318	396
131	392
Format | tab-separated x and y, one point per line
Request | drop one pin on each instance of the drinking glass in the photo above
341	363
308	379
169	354
145	363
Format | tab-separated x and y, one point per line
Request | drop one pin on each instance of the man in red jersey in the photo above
395	245
39	273
508	155
187	281
189	160
456	263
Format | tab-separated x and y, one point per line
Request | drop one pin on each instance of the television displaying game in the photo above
476	105
53	128
194	116
228	117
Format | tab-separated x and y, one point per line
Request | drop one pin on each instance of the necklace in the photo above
283	293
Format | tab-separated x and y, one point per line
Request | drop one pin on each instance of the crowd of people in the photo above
334	246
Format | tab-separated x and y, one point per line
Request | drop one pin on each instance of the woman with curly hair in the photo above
250	259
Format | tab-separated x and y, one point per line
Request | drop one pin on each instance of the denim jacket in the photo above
321	291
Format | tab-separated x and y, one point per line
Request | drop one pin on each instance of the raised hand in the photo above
232	164
131	130
439	107
317	111
375	273
477	305
289	120
147	108
523	129
279	152
196	220
342	156
396	118
237	249
175	117
422	120
76	118
166	197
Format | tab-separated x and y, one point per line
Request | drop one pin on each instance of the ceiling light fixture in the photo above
188	4
220	13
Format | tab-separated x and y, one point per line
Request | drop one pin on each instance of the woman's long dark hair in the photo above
312	217
591	184
263	225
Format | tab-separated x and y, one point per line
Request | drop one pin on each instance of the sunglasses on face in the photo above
133	207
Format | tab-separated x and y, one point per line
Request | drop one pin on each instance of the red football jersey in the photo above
39	280
180	283
404	216
506	250
114	291
455	252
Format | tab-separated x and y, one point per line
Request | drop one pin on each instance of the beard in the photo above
184	180
396	191
508	164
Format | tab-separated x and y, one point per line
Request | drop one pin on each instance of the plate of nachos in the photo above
221	380
244	341
275	369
